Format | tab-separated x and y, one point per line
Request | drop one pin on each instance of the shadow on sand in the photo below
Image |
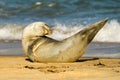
86	59
80	60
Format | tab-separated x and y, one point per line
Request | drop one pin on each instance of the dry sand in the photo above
17	68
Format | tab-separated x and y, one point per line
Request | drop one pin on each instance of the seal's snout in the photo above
47	30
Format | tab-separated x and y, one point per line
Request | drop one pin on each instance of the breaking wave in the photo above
10	32
109	33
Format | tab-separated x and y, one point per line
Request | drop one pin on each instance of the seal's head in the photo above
36	29
32	32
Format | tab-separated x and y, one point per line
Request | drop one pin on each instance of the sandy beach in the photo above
19	68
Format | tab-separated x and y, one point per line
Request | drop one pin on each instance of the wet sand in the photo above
19	68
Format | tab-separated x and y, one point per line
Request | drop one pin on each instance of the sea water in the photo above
65	17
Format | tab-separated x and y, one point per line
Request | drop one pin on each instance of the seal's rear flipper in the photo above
93	29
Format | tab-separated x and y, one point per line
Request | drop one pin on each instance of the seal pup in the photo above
40	48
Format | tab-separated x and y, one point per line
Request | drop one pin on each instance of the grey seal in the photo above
40	48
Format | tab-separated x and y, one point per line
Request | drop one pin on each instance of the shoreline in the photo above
18	68
19	41
99	50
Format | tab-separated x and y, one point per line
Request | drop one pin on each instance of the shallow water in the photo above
95	50
103	50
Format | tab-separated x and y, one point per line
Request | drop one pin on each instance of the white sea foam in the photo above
61	31
10	32
109	33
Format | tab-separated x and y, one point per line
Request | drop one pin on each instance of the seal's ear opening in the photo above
95	28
